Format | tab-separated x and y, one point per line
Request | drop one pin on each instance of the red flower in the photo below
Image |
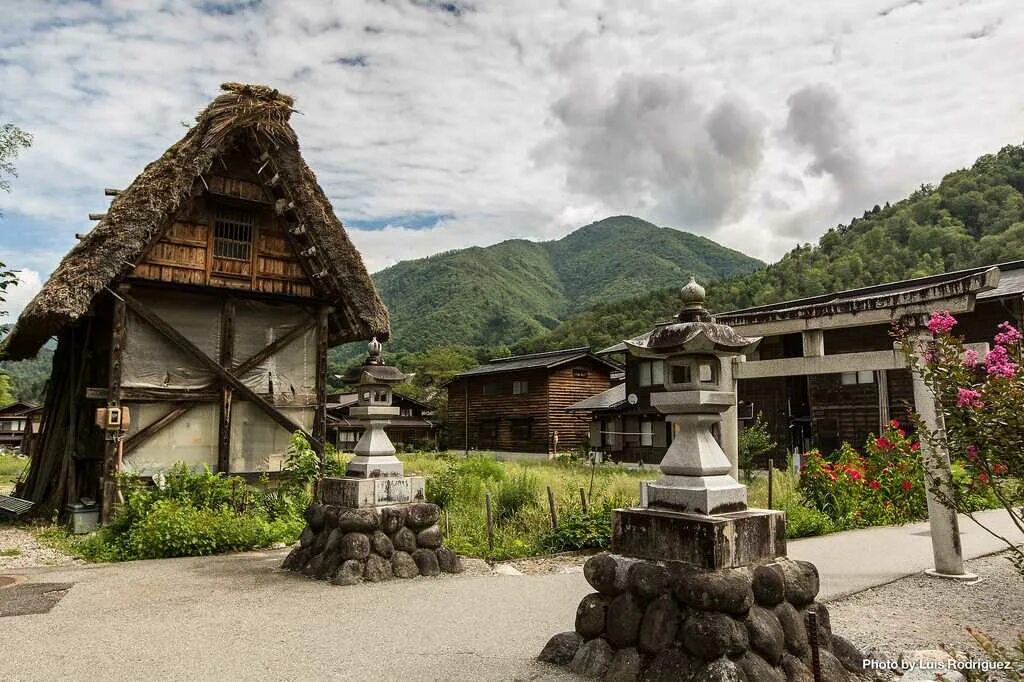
874	485
999	469
854	474
915	446
983	477
906	485
894	424
883	443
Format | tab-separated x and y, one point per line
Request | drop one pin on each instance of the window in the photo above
520	430
347	437
646	433
680	374
580	372
490	388
861	377
232	233
520	387
405	412
651	373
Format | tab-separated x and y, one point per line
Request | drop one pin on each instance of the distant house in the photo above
825	371
517	404
412	425
18	421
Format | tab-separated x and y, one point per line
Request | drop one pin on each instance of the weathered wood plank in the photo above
227	342
110	463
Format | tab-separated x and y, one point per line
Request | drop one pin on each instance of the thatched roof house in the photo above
203	301
147	207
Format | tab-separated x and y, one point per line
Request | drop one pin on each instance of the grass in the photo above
10	551
10	469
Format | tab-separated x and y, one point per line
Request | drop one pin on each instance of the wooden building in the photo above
412	426
517	404
826	371
19	422
204	300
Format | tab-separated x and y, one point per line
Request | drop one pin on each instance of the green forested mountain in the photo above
973	217
497	295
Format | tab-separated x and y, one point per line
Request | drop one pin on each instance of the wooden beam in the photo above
117	337
97	216
142	435
175	337
156	395
320	416
227	342
111	192
274	346
829	364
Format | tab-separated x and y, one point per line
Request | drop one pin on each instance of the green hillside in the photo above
497	295
973	217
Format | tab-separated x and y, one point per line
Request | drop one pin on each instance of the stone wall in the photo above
345	546
670	621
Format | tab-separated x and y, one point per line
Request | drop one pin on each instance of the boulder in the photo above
831	669
765	634
756	668
721	670
561	648
599	570
590	615
355	546
329	564
795	669
660	624
850	656
625	666
358	520
671	665
331	516
706	634
768	584
392	519
793	629
377	569
801	578
349	573
296	559
824	623
307	537
380	543
726	591
448	561
421	515
314	516
426	562
622	620
404	541
402	565
313	567
429	538
592	659
738	639
647	580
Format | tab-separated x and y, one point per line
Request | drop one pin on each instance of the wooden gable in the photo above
228	235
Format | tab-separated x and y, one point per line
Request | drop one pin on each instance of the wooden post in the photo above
227	343
490	523
812	636
583	501
109	480
320	417
771	488
551	507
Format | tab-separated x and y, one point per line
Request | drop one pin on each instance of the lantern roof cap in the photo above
374	370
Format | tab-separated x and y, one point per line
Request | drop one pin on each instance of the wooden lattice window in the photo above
232	234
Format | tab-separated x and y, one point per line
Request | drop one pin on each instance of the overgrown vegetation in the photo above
11	467
755	440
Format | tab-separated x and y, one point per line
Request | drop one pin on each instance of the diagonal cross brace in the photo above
225	376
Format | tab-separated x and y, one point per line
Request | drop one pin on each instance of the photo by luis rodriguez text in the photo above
948	665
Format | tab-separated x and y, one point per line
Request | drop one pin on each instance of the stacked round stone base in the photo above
670	621
346	546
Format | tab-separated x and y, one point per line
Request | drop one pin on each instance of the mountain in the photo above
496	295
975	216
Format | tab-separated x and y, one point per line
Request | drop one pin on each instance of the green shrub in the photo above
515	493
803	521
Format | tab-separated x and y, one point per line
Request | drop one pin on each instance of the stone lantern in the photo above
374	477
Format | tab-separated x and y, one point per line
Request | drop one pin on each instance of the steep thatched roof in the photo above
147	206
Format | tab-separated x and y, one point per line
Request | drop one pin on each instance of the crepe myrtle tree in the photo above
982	404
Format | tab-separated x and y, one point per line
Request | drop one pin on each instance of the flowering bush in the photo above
981	400
882	486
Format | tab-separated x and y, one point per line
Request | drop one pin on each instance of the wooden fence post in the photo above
771	487
490	524
583	501
554	512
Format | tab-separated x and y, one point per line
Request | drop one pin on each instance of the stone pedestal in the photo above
730	540
360	493
374	452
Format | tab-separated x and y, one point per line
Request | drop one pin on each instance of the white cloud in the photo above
758	123
18	296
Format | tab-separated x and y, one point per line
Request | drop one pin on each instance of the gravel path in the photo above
20	549
920	612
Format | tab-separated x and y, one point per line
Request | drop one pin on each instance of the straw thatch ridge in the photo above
145	209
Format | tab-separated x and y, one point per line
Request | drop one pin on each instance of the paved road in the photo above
236	617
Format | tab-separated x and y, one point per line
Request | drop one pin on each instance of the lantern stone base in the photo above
698	494
662	621
728	540
360	493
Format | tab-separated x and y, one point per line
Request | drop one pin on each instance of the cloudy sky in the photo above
437	125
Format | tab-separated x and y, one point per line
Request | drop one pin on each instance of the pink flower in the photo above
941	322
874	485
967	397
970	358
997	363
915	446
1008	334
854	474
883	443
972	452
906	485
